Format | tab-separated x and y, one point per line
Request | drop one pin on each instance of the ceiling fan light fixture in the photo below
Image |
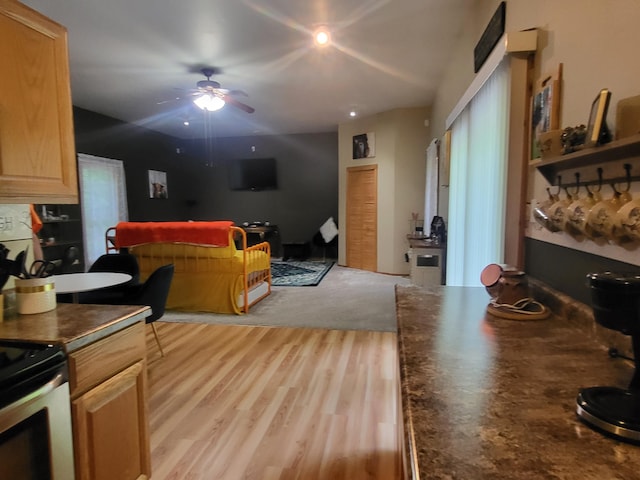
209	102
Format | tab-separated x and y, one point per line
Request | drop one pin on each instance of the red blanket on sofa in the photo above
203	233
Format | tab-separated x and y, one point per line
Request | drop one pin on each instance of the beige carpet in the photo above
346	299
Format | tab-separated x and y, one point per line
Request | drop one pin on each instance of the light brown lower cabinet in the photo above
109	408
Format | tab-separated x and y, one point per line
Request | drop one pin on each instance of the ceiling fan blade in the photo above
237	92
232	101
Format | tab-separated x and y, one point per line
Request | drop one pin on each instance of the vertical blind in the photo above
478	172
103	195
432	180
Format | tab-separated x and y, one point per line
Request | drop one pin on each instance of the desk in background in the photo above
264	233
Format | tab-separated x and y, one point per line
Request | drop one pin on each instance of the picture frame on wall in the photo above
597	130
364	145
545	108
158	184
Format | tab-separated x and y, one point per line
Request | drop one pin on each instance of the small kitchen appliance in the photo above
615	411
438	230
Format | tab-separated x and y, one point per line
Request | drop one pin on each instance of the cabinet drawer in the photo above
95	363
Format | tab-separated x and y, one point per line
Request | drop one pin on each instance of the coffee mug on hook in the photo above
541	212
579	209
602	218
558	211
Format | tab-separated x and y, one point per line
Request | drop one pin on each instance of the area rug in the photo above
298	274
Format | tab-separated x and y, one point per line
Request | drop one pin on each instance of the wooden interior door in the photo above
362	217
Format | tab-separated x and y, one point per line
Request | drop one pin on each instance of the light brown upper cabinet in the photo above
37	151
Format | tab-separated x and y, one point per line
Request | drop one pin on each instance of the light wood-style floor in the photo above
235	402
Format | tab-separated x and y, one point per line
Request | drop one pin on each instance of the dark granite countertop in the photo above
489	398
424	243
73	325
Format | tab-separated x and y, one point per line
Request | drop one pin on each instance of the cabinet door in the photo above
37	151
111	437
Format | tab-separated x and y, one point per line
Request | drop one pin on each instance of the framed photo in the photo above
158	184
545	109
597	131
364	145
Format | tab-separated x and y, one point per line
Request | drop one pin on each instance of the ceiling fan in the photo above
210	96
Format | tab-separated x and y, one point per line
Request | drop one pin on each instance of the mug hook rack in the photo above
613	177
618	161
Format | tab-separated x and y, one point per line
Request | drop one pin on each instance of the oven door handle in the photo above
51	385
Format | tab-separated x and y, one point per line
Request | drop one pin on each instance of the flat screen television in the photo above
253	174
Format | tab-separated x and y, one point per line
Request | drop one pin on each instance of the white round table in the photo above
75	283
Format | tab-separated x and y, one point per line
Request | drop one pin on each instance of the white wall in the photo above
596	40
401	142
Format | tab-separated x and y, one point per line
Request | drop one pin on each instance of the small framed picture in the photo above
364	145
158	184
597	131
545	108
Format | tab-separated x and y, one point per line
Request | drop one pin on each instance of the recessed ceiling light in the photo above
322	36
353	113
186	123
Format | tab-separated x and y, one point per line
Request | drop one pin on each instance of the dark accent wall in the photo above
140	150
566	269
197	178
307	174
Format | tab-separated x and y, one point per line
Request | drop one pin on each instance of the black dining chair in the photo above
112	262
153	292
118	263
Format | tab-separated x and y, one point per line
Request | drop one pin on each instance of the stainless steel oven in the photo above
35	419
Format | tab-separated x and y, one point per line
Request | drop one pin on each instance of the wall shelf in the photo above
61	230
611	158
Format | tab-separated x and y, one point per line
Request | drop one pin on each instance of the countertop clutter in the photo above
489	398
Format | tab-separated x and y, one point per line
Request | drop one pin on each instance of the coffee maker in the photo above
616	305
438	230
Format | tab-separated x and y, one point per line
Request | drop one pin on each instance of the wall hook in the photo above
615	190
559	185
592	191
627	169
577	184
